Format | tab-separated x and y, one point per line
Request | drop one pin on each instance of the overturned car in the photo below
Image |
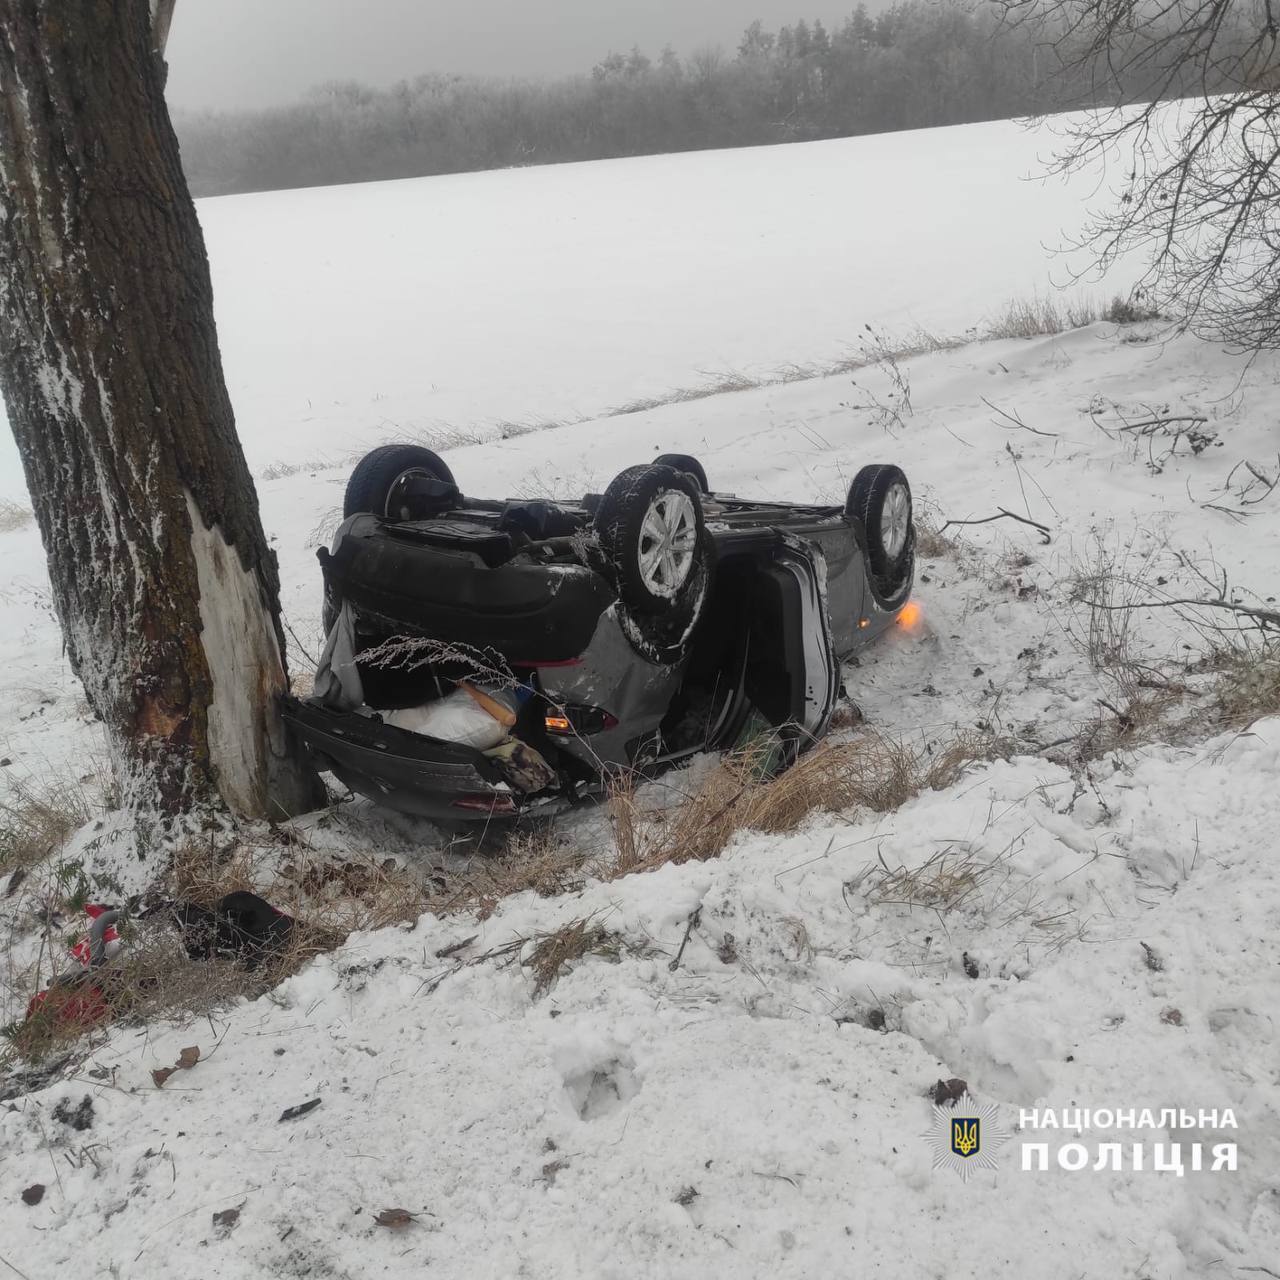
489	658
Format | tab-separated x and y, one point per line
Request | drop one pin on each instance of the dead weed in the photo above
37	819
14	515
1246	685
538	860
872	772
945	882
569	943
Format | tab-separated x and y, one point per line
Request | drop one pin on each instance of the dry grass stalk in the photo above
14	515
1149	701
332	894
152	977
945	882
1247	686
562	946
537	860
1037	316
1145	718
931	544
204	871
1109	638
872	772
884	350
37	820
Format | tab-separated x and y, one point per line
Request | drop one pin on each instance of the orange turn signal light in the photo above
558	724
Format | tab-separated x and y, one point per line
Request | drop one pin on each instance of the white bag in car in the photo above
455	718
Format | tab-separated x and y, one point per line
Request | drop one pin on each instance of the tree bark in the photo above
166	588
161	20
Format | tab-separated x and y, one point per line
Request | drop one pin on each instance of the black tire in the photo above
659	623
879	499
689	465
373	482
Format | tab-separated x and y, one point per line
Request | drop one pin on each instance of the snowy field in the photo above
760	1109
348	314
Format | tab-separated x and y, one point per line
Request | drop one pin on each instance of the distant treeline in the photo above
918	64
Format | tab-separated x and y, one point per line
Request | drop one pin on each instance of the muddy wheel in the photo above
389	482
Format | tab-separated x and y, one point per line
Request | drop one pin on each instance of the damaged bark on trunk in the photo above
166	588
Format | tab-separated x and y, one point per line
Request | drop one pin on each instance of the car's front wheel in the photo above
880	499
650	528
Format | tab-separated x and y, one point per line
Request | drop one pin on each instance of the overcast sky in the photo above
228	53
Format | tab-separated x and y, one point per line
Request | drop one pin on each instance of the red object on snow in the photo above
71	1006
72	1000
81	950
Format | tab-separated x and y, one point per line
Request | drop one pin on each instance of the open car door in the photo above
792	676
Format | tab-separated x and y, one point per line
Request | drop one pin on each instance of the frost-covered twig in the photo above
1267	619
1017	421
1044	530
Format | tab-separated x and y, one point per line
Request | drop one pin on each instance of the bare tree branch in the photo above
1265	618
1194	134
1017	421
1002	514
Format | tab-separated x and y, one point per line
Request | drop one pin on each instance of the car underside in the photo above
487	658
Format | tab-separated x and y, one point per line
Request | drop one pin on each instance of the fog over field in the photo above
232	53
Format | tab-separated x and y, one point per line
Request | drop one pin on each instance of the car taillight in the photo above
486	803
578	720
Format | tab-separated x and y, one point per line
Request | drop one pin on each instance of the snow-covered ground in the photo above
348	314
744	1113
555	1136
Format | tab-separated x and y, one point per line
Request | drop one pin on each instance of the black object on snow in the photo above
292	1113
79	1118
242	925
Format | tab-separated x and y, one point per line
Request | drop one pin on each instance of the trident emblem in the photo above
966	1139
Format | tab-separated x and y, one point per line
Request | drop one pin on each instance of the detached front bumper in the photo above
402	770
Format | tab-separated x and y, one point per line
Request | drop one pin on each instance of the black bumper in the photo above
401	770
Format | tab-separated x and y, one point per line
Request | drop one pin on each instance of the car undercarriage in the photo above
486	658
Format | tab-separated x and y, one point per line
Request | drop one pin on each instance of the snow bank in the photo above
738	1115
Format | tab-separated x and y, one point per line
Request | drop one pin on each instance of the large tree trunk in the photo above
167	591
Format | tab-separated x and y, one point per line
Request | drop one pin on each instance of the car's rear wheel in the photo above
880	499
385	480
650	527
686	463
